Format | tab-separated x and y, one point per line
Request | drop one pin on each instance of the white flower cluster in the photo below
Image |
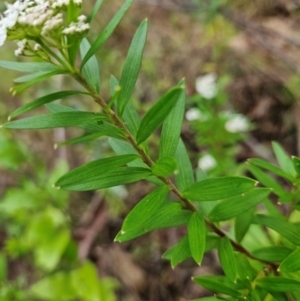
238	123
206	85
25	19
207	162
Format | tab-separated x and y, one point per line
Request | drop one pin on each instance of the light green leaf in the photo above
238	204
296	163
218	284
178	252
218	188
270	167
227	258
29	67
42	101
55	120
278	284
107	32
285	162
291	263
132	67
242	223
272	253
90	70
284	228
196	236
164	167
157	114
94	11
184	176
172	127
30	77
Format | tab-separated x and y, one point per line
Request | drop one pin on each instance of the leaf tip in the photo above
256	183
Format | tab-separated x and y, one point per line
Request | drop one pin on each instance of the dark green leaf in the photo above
90	70
106	33
178	252
291	263
279	296
218	188
285	162
157	114
164	166
284	228
55	120
278	284
218	285
227	258
94	11
42	101
185	175
242	223
29	67
171	129
132	67
272	254
197	236
296	163
272	168
238	204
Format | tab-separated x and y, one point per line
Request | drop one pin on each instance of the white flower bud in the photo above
207	162
206	85
237	124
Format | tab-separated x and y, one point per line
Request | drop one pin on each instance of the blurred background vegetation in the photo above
55	244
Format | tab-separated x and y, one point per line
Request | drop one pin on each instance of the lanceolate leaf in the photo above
94	11
284	228
106	33
227	258
218	188
291	263
236	205
184	175
244	269
272	254
157	114
296	163
56	120
278	284
29	67
91	69
172	127
132	67
196	236
42	101
30	77
115	177
285	162
242	223
164	166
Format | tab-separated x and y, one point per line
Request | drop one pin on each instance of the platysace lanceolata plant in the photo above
250	271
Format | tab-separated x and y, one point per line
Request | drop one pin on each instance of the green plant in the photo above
177	199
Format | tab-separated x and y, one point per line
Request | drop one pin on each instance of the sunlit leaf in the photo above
291	263
238	204
285	162
272	253
218	188
157	114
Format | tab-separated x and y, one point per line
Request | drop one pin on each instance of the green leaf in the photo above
272	168
242	223
132	67
244	269
184	176
94	11
178	252
291	263
171	129
107	32
296	163
272	254
197	236
42	101
267	181
238	204
227	258
284	228
278	284
285	162
90	70
279	296
218	188
164	167
29	67
55	120
157	114
30	77
208	299
218	284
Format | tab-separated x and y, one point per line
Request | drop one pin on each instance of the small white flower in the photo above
237	124
193	114
77	2
207	162
206	85
37	47
21	47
